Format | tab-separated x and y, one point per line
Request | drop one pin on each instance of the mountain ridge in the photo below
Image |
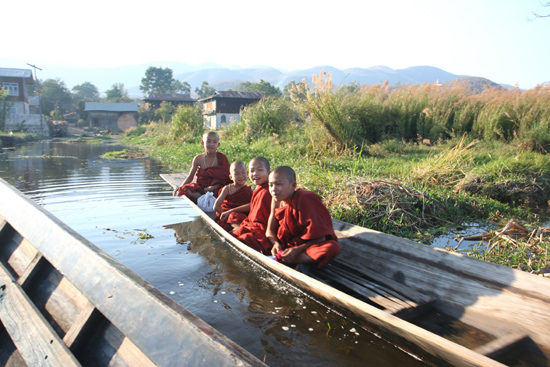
223	78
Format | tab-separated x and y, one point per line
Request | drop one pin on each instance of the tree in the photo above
161	80
262	86
205	90
55	97
165	111
117	93
85	90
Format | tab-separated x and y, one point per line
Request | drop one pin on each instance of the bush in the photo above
187	124
267	117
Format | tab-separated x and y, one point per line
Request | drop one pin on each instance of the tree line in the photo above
57	99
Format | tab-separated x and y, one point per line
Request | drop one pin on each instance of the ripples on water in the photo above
127	211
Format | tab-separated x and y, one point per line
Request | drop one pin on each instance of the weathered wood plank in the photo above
30	271
501	345
408	292
80	324
36	341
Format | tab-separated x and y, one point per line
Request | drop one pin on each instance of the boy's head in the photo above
282	183
210	142
237	173
258	170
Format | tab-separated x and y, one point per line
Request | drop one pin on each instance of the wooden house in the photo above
155	99
223	108
112	116
20	115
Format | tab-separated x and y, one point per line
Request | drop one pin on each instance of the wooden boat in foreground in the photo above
64	302
445	307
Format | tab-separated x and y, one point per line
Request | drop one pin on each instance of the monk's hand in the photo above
224	215
175	192
277	246
290	255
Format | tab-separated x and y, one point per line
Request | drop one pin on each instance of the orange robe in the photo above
252	229
238	198
305	218
209	176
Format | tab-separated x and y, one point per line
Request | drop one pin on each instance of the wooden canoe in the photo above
64	302
446	307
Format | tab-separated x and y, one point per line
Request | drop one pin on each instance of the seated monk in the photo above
300	226
252	229
231	205
210	170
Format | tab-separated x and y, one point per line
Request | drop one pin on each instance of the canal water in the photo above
125	209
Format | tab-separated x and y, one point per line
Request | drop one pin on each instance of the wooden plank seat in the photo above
383	292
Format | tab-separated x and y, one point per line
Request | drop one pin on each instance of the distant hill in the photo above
227	78
474	84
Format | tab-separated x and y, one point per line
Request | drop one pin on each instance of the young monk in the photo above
211	169
300	227
252	229
230	206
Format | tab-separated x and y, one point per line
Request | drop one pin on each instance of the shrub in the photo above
187	124
266	117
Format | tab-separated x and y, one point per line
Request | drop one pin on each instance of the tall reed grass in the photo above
426	113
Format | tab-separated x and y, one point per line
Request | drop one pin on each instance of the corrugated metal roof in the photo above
235	94
176	97
111	107
16	73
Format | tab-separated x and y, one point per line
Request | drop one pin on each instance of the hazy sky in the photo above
488	38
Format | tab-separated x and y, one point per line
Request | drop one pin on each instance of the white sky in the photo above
488	38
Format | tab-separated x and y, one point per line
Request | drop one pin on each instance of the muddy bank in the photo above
533	192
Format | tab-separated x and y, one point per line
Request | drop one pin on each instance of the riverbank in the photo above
409	190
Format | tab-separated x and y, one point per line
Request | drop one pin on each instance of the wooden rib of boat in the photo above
64	302
445	307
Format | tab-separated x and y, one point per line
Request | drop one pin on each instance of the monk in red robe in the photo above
230	206
210	170
252	229
300	226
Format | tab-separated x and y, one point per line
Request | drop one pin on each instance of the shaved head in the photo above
236	164
287	172
263	161
210	133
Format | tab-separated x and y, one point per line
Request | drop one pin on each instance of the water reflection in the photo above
277	314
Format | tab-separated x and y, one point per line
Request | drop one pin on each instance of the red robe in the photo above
252	229
238	198
305	218
209	176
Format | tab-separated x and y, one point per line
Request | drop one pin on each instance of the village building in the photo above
224	108
155	99
22	114
112	116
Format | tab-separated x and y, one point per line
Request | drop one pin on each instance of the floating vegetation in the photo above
515	246
124	154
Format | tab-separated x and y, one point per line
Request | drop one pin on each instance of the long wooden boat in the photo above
64	302
448	308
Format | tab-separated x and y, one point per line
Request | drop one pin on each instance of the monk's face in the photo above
280	187
257	172
237	173
210	143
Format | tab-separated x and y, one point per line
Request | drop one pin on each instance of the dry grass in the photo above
389	202
448	168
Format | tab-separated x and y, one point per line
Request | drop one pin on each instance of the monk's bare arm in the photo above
220	199
272	228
